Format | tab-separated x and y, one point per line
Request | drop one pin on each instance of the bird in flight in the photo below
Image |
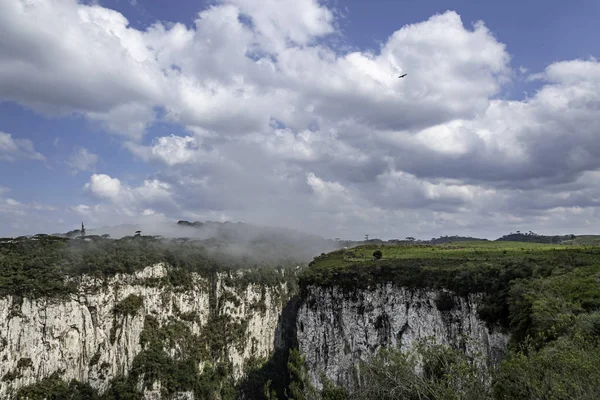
402	76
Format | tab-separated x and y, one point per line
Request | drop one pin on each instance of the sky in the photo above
290	113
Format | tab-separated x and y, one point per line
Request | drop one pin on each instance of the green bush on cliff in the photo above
568	368
130	305
54	388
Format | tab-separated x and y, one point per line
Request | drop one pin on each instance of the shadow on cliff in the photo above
275	368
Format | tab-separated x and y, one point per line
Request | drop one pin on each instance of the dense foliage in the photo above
39	266
455	238
533	237
54	388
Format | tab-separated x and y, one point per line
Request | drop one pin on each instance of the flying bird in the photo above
402	76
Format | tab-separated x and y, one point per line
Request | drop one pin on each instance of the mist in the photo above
235	241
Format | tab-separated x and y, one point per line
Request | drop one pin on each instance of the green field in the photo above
471	250
584	240
492	268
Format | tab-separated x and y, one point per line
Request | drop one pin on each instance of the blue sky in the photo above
492	130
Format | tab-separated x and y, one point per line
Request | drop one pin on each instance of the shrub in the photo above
447	374
568	368
377	254
129	305
444	301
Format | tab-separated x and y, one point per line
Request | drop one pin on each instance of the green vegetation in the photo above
129	305
54	388
24	363
181	372
450	239
566	368
444	301
491	268
535	238
546	296
95	358
38	266
447	374
584	240
46	266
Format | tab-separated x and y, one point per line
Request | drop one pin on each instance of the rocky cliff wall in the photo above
95	335
336	329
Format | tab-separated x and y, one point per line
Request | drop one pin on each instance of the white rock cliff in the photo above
82	338
337	329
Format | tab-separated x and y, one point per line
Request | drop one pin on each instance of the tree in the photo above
410	238
447	373
300	386
377	254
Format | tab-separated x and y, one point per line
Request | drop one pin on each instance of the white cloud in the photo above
279	21
19	217
130	200
170	150
332	193
82	209
130	120
83	160
62	56
285	129
103	186
12	149
224	77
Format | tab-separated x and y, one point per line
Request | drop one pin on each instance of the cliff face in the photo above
122	327
336	329
96	334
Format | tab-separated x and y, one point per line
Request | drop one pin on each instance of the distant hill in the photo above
533	237
584	240
448	239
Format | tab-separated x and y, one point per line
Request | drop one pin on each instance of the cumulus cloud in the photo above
12	149
233	76
285	129
546	139
172	150
278	22
103	186
63	56
131	200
